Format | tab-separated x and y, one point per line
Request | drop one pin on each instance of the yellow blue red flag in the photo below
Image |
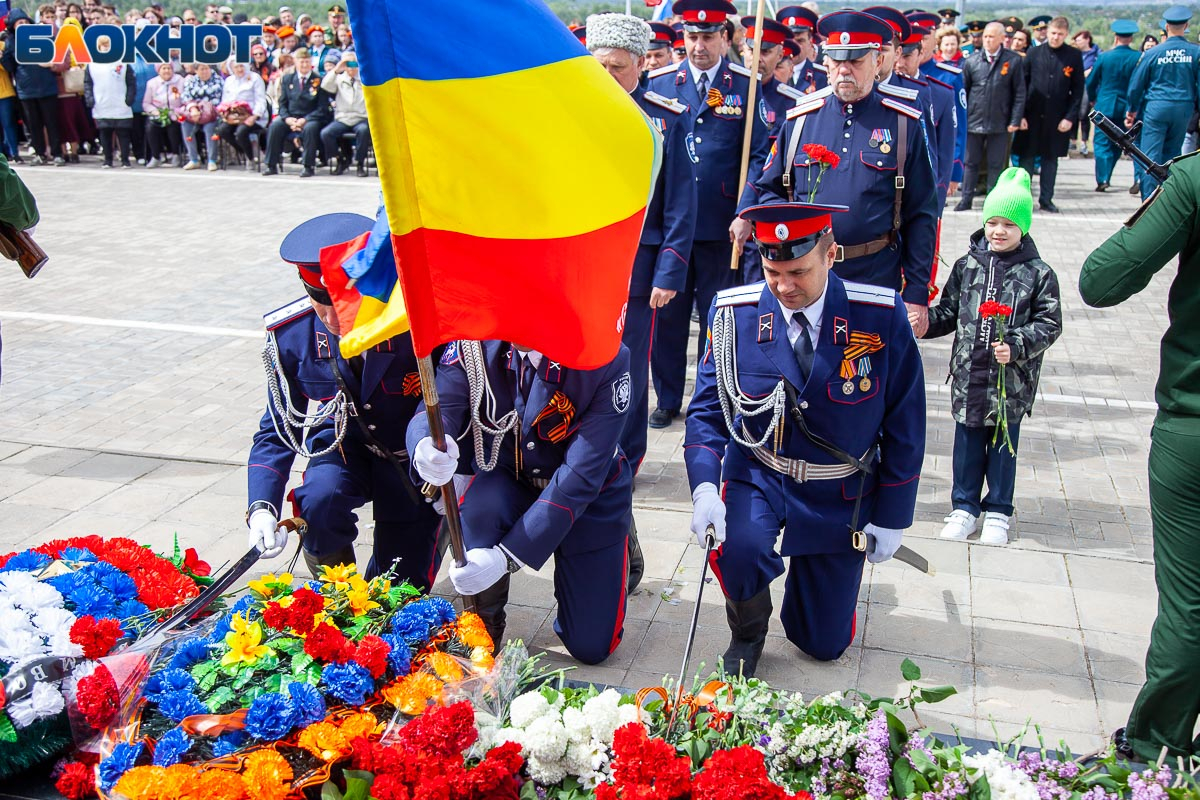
515	178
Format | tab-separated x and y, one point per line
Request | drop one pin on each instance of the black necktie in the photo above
702	85
527	373
802	347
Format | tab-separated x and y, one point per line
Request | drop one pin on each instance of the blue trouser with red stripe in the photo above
334	488
639	330
589	564
821	590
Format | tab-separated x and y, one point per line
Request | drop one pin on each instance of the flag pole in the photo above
751	111
437	432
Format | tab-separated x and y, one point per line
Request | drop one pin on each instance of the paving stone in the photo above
1057	701
918	633
880	676
1023	566
112	467
1040	648
1118	658
68	494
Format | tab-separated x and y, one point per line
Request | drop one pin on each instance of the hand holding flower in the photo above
1003	352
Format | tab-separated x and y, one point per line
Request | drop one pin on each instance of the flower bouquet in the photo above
233	112
68	601
287	678
991	311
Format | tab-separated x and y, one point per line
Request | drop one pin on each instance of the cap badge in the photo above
702	16
790	22
782	232
845	37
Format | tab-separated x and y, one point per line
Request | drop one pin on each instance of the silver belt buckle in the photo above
859	540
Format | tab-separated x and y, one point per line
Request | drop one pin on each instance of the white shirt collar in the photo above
711	73
535	358
813	312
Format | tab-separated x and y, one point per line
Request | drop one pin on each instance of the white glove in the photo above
266	534
460	485
882	543
485	566
432	464
708	509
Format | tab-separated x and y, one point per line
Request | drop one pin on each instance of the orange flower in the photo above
413	692
267	776
445	666
361	724
473	633
482	660
324	741
142	783
219	783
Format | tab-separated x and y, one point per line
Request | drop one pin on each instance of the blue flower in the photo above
271	717
28	561
245	607
412	623
400	657
169	680
122	759
348	682
91	599
77	554
179	704
230	743
309	704
190	653
171	747
442	610
120	584
64	583
127	609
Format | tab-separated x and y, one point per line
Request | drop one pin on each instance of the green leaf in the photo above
330	791
243	678
529	791
923	764
274	682
202	669
904	778
288	645
937	694
268	663
898	732
358	784
207	683
220	697
980	789
313	675
7	732
910	671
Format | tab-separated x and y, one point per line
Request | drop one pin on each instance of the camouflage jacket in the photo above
1019	279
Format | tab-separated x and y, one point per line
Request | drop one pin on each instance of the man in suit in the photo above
304	109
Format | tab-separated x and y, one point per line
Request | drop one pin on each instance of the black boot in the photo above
748	622
489	605
637	564
314	563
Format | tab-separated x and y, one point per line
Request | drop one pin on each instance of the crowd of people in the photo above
299	93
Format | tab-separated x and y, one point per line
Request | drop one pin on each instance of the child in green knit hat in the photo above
1002	266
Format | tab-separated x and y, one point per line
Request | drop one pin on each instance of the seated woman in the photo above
201	94
243	108
160	104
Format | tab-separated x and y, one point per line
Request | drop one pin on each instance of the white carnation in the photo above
626	714
18	645
546	773
527	708
44	701
1004	779
16	581
578	729
511	735
40	595
603	714
15	619
59	645
546	739
52	620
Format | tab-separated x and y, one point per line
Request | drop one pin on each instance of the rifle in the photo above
20	247
1127	141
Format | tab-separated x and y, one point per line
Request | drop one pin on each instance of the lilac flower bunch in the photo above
874	763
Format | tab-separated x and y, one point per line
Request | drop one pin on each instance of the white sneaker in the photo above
959	525
153	163
995	528
192	165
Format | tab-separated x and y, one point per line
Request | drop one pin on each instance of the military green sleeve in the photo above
17	206
1124	265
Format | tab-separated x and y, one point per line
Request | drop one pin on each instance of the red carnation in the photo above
276	616
76	782
737	774
993	309
193	564
822	155
326	643
371	654
306	604
96	637
444	732
96	696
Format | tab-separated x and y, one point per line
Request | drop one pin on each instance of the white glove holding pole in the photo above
266	534
461	482
708	509
432	464
882	543
485	566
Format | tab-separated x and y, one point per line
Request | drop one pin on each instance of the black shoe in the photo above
637	564
1123	747
73	158
307	172
748	622
17	160
1101	187
362	171
661	418
270	170
340	168
963	205
1136	188
1049	207
489	605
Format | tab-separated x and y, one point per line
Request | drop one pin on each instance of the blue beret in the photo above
303	245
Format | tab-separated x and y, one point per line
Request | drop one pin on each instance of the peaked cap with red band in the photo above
704	16
924	21
787	231
792	48
895	20
849	34
796	17
774	33
302	246
661	36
